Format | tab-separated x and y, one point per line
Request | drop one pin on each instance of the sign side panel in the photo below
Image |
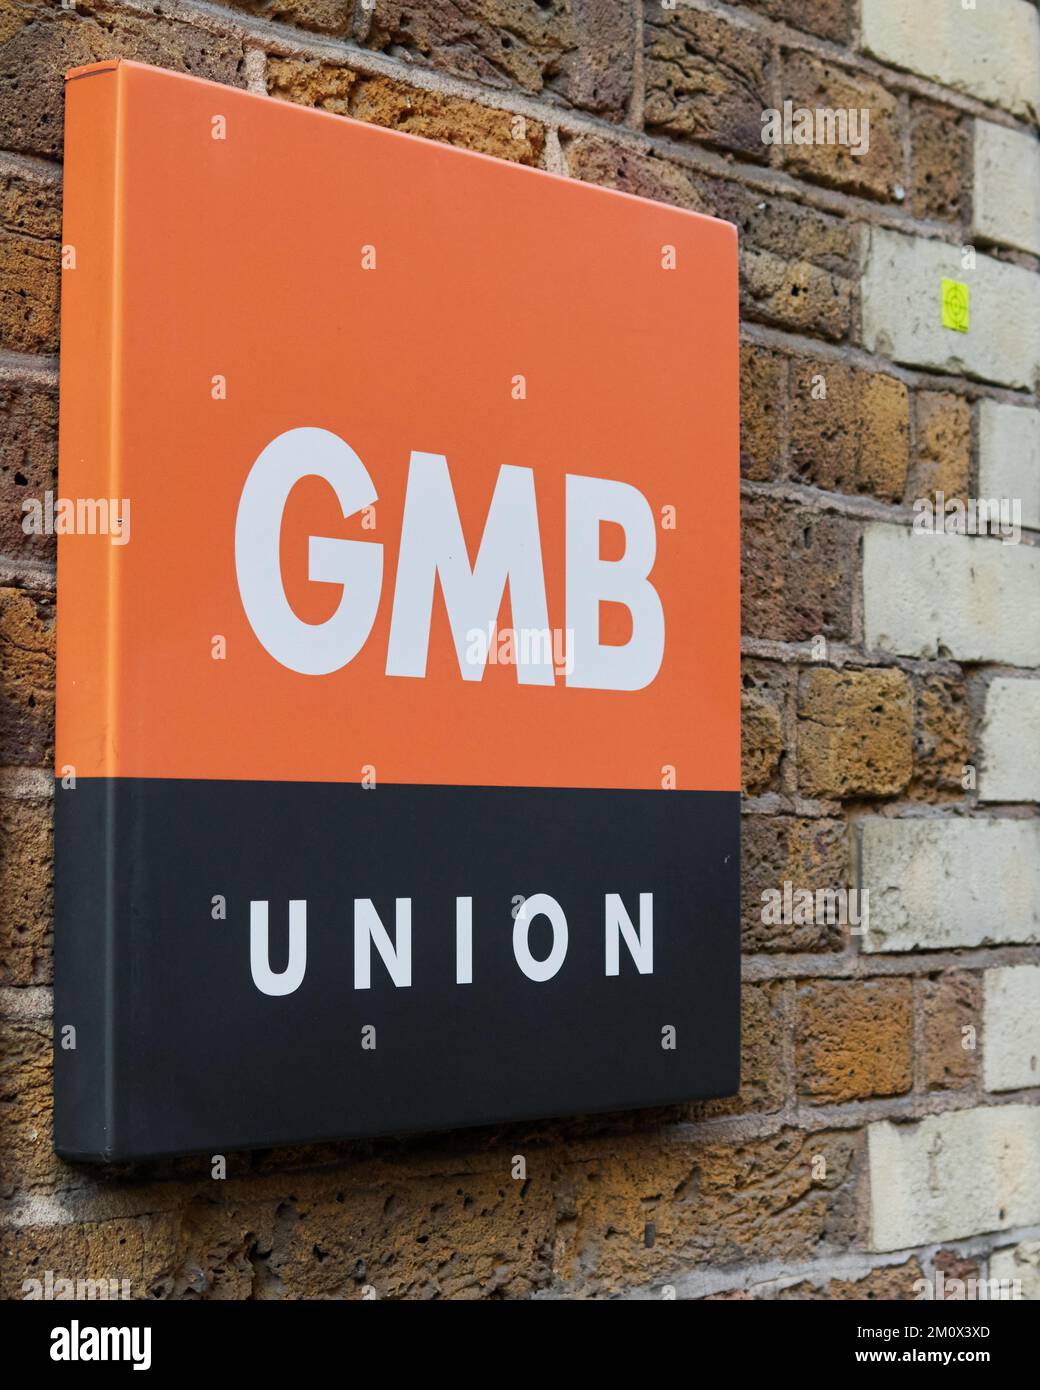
85	912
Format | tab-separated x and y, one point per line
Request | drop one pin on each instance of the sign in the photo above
398	738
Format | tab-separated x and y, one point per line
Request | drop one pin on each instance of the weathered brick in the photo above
949	1005
1010	740
90	1255
26	889
828	18
949	1176
809	83
936	883
385	102
212	1250
797	568
458	1235
706	80
333	17
939	158
580	51
27	1157
953	1266
794	295
854	732
888	1283
596	160
762	740
1009	456
997	60
1011	1027
853	1039
31	201
797	265
28	464
312	83
41	42
964	597
764	1022
849	430
1006	186
941	457
30	256
26	678
1022	1263
714	1203
220	1250
785	229
763	412
901	295
809	854
942	735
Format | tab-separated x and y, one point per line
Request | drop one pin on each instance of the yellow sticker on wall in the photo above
955	305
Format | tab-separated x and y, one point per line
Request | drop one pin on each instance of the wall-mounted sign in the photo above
398	737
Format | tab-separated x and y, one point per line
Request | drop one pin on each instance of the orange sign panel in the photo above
503	381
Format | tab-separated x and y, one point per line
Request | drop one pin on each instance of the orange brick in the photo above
854	1039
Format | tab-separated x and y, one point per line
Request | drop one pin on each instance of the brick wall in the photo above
887	1126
